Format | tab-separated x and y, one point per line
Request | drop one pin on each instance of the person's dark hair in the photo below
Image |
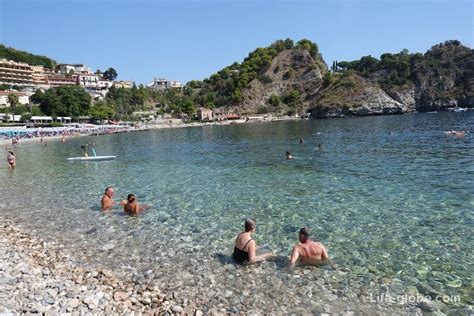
107	189
11	153
250	224
305	231
288	153
131	197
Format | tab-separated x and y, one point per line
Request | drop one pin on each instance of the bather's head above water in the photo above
131	198
250	225
304	234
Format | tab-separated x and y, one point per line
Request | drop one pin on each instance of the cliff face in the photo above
352	95
444	78
290	70
441	78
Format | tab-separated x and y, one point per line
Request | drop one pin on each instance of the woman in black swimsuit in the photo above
245	248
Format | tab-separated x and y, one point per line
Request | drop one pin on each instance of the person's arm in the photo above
252	251
102	204
295	254
324	255
326	259
136	209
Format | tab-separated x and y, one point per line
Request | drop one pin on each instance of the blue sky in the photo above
186	40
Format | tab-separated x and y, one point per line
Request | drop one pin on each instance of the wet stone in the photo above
177	309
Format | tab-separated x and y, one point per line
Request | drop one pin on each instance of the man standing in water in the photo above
307	250
107	202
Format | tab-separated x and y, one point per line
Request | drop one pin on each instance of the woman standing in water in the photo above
245	248
11	160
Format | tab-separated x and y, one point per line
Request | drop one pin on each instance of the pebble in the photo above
177	309
108	247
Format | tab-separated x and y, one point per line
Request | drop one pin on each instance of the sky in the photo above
190	40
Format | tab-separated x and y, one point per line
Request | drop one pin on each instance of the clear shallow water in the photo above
391	197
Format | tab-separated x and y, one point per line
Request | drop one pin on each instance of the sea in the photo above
391	198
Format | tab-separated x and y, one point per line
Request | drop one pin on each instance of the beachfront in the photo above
380	224
22	134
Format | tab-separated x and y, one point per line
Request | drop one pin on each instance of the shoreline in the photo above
42	277
37	139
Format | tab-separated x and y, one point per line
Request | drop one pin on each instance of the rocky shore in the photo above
34	278
42	277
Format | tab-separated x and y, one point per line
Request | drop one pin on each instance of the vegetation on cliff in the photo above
25	57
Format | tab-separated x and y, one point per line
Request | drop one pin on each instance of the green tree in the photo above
65	101
110	74
311	47
101	111
26	117
13	100
274	100
292	98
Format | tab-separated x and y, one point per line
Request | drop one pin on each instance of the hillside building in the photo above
163	84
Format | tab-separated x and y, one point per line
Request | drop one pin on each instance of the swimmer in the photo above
456	133
131	206
320	146
289	155
11	160
307	250
301	141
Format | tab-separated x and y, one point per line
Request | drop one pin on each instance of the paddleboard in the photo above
92	158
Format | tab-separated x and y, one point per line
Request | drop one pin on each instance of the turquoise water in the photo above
391	197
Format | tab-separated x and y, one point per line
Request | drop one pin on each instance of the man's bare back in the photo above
307	250
311	251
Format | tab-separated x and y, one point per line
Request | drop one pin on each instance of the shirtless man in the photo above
307	250
107	202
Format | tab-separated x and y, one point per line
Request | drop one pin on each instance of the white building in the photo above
127	84
162	84
23	98
89	81
75	69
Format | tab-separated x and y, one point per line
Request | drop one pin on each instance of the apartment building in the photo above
67	69
163	84
14	73
127	84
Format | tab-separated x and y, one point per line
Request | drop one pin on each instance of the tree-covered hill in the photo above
25	57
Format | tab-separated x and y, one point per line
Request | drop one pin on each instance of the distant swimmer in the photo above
456	133
131	206
301	141
289	155
11	160
320	146
107	201
307	250
245	248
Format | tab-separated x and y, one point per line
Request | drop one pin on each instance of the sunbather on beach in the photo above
245	248
307	250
